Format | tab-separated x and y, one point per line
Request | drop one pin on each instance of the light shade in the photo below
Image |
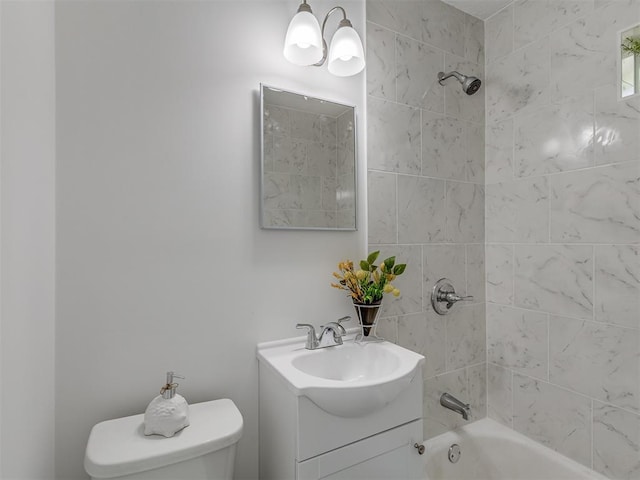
346	55
303	43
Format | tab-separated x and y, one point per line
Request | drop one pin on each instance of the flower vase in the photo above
368	319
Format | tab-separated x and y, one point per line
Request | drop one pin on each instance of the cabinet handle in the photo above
420	448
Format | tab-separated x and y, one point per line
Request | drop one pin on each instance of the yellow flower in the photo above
347	265
361	274
395	292
388	288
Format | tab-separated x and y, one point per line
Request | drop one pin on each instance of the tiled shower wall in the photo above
425	153
562	231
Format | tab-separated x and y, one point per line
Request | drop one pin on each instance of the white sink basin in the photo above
349	380
350	362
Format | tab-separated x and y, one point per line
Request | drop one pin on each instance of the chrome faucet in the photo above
330	336
452	403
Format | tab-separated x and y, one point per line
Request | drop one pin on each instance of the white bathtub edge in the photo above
489	428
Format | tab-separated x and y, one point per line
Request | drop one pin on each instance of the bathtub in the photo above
490	450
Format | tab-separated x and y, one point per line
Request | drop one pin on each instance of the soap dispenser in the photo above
167	413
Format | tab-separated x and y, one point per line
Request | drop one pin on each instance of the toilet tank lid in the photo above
119	447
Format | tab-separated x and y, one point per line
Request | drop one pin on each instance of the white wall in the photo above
27	173
160	261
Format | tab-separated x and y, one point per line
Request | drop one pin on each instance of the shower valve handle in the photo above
451	298
444	297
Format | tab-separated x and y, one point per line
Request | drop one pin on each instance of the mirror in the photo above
630	62
308	178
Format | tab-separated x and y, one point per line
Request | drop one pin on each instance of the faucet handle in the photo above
451	298
312	340
306	325
343	319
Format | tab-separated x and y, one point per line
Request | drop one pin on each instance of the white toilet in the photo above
204	450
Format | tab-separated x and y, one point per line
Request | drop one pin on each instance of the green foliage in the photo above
399	269
372	257
388	264
372	292
631	45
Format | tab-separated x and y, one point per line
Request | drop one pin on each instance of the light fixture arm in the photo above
343	23
304	7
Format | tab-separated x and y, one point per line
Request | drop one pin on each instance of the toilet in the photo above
205	450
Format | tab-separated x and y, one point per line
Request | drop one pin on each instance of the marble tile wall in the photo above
426	191
307	181
562	214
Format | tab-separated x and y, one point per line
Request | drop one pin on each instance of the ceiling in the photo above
481	9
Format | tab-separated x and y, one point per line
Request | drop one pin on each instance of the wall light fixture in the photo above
305	43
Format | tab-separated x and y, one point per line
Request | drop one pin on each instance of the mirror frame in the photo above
262	168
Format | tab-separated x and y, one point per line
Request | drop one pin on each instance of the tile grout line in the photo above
570	317
591	429
513	275
513	403
593	283
548	348
467	182
458	370
466	269
572	391
397	210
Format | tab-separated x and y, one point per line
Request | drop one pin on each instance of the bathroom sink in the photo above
349	380
350	362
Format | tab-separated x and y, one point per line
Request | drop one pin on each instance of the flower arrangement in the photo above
631	45
369	284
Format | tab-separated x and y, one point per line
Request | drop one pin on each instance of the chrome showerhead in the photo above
470	85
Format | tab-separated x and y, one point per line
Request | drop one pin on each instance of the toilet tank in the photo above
204	450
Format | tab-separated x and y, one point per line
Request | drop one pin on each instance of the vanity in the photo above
352	411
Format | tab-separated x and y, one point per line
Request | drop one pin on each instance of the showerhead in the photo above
470	85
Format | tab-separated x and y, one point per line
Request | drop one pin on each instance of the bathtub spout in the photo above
452	403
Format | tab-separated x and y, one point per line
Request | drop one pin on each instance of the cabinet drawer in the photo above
388	455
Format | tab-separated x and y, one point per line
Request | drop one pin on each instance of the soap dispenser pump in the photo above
167	413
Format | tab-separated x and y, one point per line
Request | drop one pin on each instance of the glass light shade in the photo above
303	43
346	55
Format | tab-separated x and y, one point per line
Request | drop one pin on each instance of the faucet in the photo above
330	336
452	403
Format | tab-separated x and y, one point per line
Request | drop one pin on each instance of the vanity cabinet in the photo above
299	440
